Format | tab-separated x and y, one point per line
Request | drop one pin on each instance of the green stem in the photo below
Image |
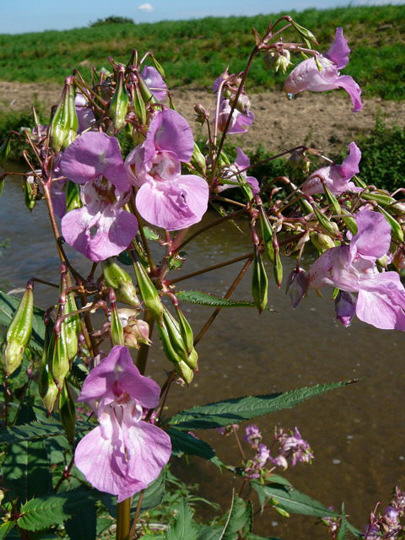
123	519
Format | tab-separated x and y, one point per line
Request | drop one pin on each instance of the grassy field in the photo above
195	52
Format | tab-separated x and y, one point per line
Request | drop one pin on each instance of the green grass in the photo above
195	52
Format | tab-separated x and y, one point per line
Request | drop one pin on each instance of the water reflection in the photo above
356	432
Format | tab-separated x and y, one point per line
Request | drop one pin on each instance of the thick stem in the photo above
229	293
123	519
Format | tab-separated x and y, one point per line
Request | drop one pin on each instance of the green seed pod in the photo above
158	66
350	223
64	123
73	199
260	283
149	294
72	326
304	32
30	193
397	231
19	332
381	198
186	373
398	208
47	387
67	412
186	331
278	269
332	200
267	235
60	360
146	94
139	106
118	279
172	355
326	224
198	160
322	242
119	103
117	332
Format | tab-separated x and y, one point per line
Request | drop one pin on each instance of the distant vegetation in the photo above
195	52
113	19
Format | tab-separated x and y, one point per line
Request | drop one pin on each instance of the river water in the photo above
356	432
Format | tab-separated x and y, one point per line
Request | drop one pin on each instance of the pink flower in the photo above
124	454
323	73
352	268
238	169
335	177
100	229
154	82
241	120
166	198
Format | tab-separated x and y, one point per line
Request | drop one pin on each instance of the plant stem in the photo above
142	356
132	532
209	268
123	519
228	294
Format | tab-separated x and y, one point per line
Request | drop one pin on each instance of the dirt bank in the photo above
321	120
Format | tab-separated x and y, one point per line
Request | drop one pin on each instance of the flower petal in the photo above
373	236
350	165
345	307
101	235
117	373
339	51
353	89
170	132
174	204
155	82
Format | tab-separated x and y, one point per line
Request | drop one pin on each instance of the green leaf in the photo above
38	514
205	299
233	411
346	527
8	307
292	501
83	523
5	528
239	521
184	443
41	513
183	528
208	533
30	432
153	494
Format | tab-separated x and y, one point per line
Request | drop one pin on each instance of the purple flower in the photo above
335	177
124	454
100	229
345	307
293	447
84	113
297	285
253	435
322	73
352	268
165	197
155	82
241	120
238	169
255	466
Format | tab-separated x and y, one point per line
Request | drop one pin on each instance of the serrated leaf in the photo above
30	432
183	528
293	501
184	443
208	533
38	514
205	299
239	521
233	411
9	305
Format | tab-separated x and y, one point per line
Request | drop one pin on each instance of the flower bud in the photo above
72	327
118	279
260	283
397	231
67	413
19	332
59	363
277	265
280	59
345	307
149	294
297	285
119	102
322	242
186	373
136	331
30	192
304	32
350	223
64	123
198	160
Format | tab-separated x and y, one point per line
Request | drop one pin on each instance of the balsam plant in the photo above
82	424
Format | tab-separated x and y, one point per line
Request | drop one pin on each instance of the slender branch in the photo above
132	532
210	268
65	473
230	201
228	294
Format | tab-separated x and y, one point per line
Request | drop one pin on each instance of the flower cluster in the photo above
387	525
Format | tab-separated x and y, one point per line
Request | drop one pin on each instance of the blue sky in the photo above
18	16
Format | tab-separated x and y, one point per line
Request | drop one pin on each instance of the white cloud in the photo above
146	7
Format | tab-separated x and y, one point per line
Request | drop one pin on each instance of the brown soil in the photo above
321	120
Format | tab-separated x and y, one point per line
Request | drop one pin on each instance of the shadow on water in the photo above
355	432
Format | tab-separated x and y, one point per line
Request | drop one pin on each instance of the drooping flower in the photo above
253	435
101	228
241	119
166	198
352	268
335	177
123	454
292	447
155	82
239	169
322	73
